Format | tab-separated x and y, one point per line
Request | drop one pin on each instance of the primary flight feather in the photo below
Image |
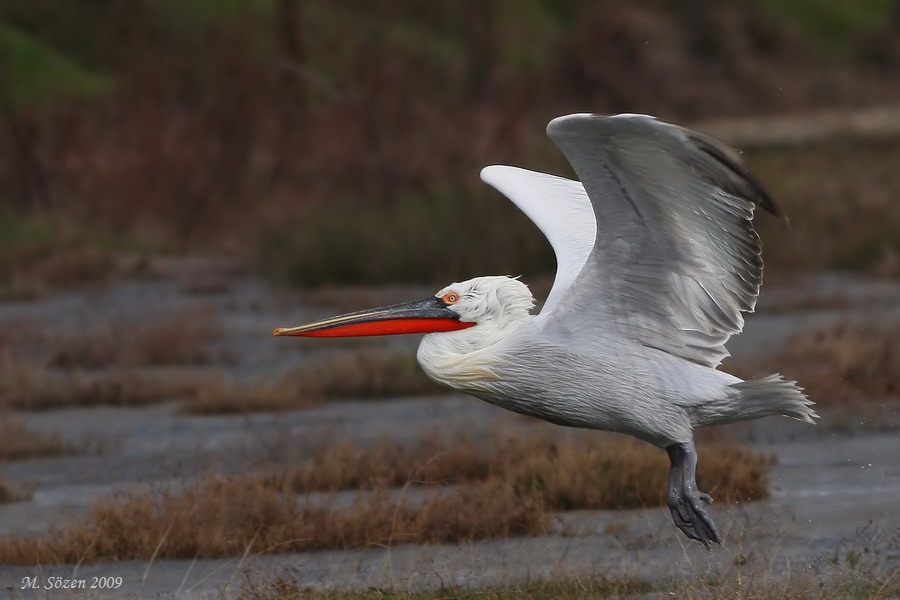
657	259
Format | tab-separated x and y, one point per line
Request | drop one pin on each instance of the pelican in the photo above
657	259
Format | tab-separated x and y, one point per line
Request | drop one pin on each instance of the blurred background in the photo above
179	177
309	137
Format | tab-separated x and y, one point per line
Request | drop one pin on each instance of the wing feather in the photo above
561	209
676	259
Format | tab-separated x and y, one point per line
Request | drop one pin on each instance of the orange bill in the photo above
419	316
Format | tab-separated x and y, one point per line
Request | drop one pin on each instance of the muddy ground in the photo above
834	489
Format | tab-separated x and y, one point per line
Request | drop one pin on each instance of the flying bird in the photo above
657	259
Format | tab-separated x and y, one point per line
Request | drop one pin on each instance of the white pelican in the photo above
656	260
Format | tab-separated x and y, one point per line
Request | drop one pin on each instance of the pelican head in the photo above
464	321
493	303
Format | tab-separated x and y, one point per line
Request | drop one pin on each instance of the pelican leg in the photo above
683	498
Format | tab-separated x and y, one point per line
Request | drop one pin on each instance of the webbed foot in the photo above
688	505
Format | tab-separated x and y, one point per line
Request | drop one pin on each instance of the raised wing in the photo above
676	259
561	209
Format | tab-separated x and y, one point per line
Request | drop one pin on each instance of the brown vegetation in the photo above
845	363
367	373
344	375
756	582
21	441
839	196
30	270
137	340
9	493
402	105
234	516
29	386
590	471
505	486
217	396
41	369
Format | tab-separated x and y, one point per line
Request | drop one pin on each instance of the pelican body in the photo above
657	259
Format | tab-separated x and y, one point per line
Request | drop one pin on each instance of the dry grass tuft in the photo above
220	397
571	472
844	363
389	463
367	373
20	441
9	493
135	341
30	270
606	473
30	386
506	486
229	517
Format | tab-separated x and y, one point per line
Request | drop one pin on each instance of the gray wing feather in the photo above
676	259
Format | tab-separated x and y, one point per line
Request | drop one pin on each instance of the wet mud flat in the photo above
833	490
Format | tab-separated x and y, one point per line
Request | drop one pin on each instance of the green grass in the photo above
24	232
370	177
199	13
36	73
833	24
839	196
438	238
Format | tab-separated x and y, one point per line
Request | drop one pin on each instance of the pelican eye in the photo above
450	298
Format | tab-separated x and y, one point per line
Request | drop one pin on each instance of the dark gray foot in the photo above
688	505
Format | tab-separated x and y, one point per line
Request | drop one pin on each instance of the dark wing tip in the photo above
726	166
747	183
